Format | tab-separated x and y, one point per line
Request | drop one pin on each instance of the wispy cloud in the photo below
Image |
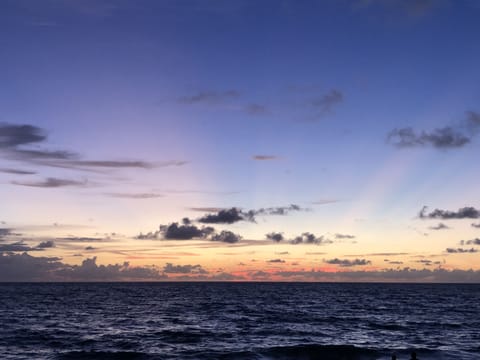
325	103
134	195
265	157
344	236
256	109
210	97
440	226
17	172
447	137
51	183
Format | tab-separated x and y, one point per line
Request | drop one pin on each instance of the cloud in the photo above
206	209
184	232
475	241
327	102
460	250
309	238
275	236
276	261
17	171
437	275
19	246
447	137
475	225
256	109
88	248
134	195
344	236
5	232
51	183
440	226
348	263
169	268
46	244
12	136
229	216
467	212
226	237
264	157
209	97
324	201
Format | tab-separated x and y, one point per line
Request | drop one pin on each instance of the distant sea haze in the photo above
239	321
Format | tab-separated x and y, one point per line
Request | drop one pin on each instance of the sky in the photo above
239	140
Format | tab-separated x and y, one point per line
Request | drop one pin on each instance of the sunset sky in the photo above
240	140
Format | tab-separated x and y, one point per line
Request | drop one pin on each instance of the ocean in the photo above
239	321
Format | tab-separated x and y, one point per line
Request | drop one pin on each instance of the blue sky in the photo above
141	113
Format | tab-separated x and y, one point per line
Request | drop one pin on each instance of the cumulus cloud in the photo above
437	275
51	183
24	267
447	137
467	212
46	244
348	263
440	226
461	250
211	97
226	237
309	238
475	241
170	268
174	231
229	216
275	236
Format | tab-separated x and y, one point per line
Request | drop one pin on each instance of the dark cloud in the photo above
327	102
440	226
447	137
51	183
169	268
442	138
46	244
278	210
184	232
468	212
475	241
344	236
5	232
264	157
88	248
206	209
275	236
381	254
229	216
19	246
210	97
134	195
475	225
348	263
276	261
17	172
81	239
12	136
394	262
256	109
226	237
424	262
438	275
309	238
460	250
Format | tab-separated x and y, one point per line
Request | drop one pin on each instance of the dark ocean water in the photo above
239	321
